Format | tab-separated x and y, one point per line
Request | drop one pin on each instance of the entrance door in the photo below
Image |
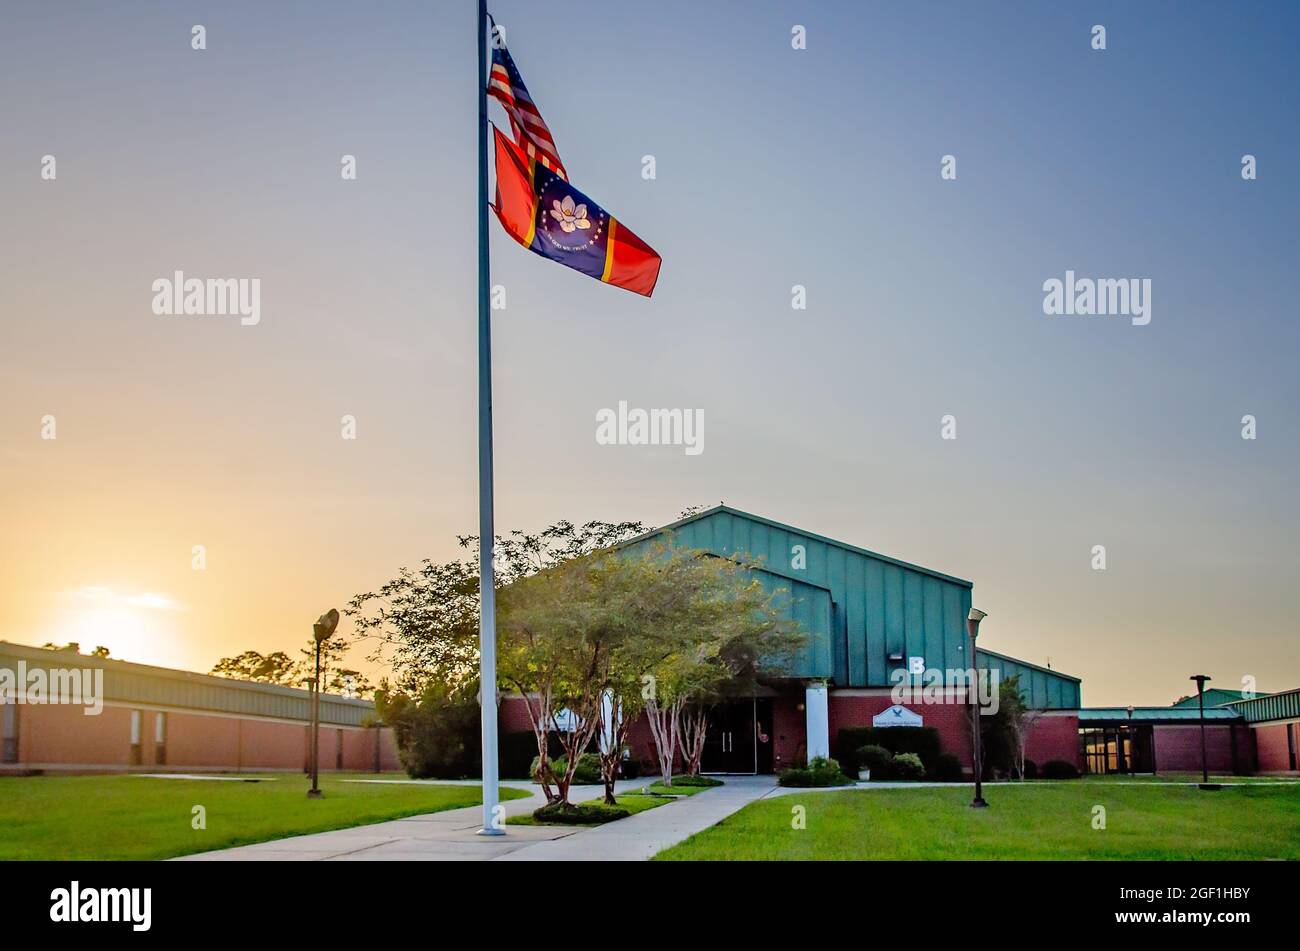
731	741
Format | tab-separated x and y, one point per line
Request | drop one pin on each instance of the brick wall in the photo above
1178	749
1272	749
852	709
1054	737
61	734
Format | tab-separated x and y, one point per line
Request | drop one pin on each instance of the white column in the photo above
818	717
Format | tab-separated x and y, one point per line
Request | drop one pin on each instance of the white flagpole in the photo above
492	823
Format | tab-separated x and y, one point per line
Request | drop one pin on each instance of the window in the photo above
160	738
136	758
9	717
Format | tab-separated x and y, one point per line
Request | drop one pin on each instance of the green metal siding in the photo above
1279	706
1044	689
810	606
874	605
1103	715
877	604
1214	697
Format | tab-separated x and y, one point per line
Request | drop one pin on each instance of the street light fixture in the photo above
973	629
1200	699
324	627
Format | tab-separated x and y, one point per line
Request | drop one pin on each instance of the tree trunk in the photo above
575	743
695	725
611	757
541	719
663	730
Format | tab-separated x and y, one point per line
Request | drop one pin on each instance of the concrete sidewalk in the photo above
450	835
641	836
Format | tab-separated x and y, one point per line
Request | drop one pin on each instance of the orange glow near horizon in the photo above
132	626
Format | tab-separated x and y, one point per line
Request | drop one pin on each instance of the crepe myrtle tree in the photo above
684	626
423	624
555	634
727	631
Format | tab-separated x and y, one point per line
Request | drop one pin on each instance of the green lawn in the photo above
659	789
134	817
1029	821
1185	778
632	802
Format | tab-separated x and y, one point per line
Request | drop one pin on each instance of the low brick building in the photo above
1274	723
64	711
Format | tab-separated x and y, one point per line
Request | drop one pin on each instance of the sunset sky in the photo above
775	167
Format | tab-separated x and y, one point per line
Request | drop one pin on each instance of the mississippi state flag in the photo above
550	217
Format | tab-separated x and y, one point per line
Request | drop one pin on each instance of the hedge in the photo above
921	740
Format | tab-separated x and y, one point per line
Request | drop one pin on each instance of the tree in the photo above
437	734
1003	733
425	622
699	627
276	668
75	648
549	646
1017	720
279	668
334	677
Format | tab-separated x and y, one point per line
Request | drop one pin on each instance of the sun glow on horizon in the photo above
134	627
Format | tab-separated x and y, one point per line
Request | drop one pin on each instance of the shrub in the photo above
877	759
587	773
820	771
588	813
707	782
947	769
437	735
921	740
1059	769
1031	770
908	766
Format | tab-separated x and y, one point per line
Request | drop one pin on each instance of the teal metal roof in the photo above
1278	706
865	607
125	682
1154	715
1042	687
1214	697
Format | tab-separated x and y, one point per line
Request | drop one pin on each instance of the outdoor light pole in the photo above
321	631
1200	699
973	629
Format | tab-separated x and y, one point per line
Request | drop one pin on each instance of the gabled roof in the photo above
771	523
1024	663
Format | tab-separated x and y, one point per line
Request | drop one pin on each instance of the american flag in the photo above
507	86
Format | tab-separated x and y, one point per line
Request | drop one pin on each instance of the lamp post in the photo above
1128	757
321	631
973	629
1200	700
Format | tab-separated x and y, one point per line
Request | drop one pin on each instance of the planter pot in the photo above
864	775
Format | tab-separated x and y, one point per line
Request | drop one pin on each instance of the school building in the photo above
866	617
63	711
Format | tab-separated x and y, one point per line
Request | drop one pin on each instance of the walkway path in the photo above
641	836
450	835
